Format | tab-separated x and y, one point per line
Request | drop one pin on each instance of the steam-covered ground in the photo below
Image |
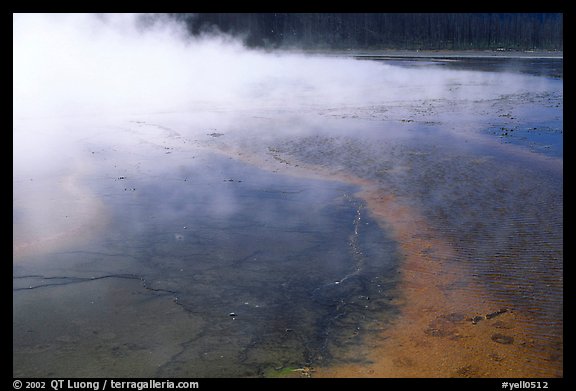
187	207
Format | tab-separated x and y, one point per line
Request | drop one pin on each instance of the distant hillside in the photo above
433	31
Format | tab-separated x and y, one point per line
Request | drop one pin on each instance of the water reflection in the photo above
250	269
551	66
153	245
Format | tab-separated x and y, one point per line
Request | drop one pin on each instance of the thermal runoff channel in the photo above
189	204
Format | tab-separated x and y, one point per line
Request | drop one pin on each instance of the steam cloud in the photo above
91	68
84	83
81	64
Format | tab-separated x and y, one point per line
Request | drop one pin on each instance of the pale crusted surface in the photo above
67	214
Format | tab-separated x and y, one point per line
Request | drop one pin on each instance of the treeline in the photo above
453	31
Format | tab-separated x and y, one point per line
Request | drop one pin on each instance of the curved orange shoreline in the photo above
434	335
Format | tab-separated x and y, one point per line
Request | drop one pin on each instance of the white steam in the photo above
81	64
85	85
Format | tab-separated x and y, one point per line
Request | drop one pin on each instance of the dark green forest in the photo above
423	31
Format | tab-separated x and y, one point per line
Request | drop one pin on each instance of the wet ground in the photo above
271	242
209	267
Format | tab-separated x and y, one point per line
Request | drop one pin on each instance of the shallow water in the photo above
541	66
212	268
230	243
